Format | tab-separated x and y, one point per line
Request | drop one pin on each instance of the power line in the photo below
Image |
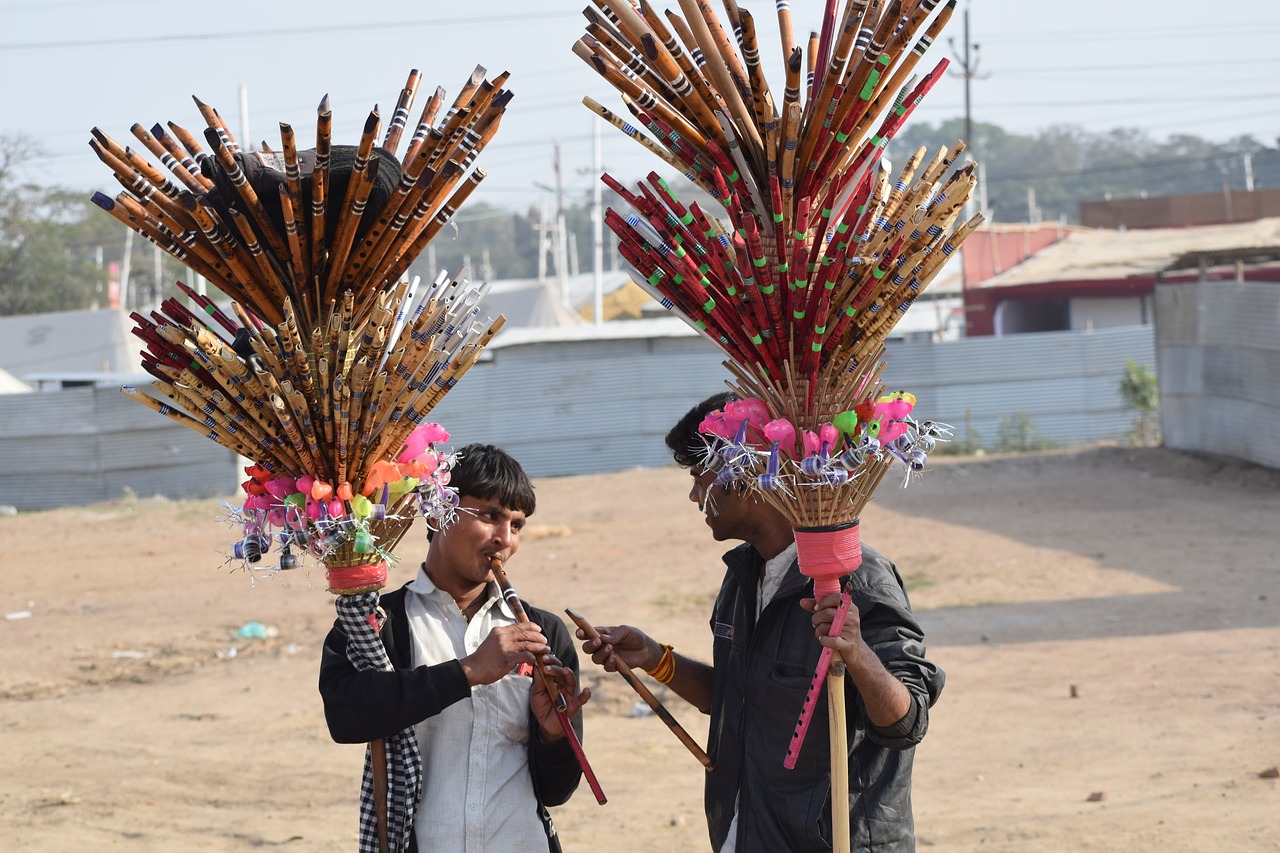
1134	102
47	4
1145	33
1129	167
1108	69
289	31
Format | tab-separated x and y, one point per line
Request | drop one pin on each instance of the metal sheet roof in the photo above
1088	254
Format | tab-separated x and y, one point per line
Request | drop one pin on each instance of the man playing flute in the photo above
764	657
494	755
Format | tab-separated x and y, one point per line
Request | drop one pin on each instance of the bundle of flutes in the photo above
822	252
336	425
325	368
291	237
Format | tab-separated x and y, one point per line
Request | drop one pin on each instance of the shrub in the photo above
1140	391
1017	432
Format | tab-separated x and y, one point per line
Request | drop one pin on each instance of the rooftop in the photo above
1089	254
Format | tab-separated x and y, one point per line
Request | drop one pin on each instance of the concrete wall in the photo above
1218	347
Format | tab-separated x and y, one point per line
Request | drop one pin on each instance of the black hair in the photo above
686	446
484	471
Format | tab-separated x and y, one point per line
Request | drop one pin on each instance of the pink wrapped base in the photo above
352	580
826	555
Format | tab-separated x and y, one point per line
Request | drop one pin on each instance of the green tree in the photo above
47	259
1065	164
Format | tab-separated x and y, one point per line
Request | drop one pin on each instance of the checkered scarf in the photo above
362	623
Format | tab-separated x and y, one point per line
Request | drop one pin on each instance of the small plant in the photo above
1140	391
965	442
1017	432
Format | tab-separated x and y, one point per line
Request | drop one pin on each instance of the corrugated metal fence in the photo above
576	406
1219	350
583	406
1067	384
85	445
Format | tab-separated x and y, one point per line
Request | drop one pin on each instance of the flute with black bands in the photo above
562	711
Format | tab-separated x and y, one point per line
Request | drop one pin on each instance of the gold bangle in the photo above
665	669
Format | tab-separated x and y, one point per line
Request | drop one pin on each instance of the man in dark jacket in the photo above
764	623
494	754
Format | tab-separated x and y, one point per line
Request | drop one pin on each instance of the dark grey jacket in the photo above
364	706
762	672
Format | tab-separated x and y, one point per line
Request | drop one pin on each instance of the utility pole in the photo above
969	71
246	142
125	266
597	227
562	250
157	279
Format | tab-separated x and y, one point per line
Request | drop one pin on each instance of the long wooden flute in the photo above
562	708
652	701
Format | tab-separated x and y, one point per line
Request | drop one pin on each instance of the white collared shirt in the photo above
477	795
775	570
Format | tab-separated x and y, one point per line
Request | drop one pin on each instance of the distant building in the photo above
1173	211
10	384
1054	278
87	345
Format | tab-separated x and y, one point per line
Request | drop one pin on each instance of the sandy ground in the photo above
1144	582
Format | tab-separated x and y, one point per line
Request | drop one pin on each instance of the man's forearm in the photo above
886	699
692	682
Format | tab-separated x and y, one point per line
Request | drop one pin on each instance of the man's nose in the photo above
504	533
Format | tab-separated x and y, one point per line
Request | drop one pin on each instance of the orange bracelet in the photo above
666	667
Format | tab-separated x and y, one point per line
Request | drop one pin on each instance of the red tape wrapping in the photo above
828	554
346	580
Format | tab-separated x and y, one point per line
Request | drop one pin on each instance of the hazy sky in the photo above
68	65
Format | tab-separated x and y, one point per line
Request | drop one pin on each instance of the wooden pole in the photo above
840	839
379	761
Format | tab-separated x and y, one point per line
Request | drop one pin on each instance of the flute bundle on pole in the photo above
818	249
324	369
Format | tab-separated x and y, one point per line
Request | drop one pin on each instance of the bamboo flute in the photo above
638	686
558	700
400	117
189	144
319	193
251	202
425	121
214	121
357	196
